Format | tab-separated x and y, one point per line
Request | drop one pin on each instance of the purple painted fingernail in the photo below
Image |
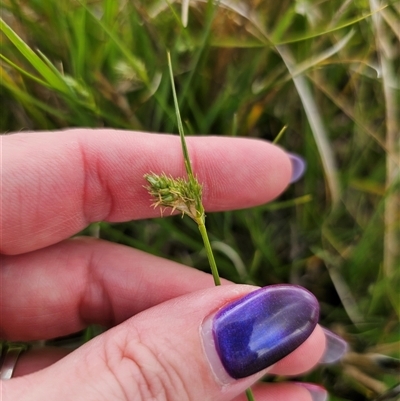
318	393
336	347
298	167
259	329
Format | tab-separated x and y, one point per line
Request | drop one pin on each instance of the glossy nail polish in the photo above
298	167
261	328
335	348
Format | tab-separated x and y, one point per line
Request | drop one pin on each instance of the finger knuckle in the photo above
144	372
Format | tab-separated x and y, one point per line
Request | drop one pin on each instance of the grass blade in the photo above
316	123
37	63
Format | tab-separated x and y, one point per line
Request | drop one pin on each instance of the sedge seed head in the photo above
175	193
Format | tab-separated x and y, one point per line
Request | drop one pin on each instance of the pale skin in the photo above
53	186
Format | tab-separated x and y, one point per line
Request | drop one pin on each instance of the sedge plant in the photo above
184	194
327	70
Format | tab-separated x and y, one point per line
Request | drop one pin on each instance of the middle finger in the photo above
61	289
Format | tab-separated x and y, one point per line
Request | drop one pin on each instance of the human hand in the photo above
54	185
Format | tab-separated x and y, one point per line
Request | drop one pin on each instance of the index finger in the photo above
56	183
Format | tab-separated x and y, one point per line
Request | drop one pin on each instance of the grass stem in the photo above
200	216
250	395
188	166
210	255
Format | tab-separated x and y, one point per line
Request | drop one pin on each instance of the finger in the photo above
31	363
147	356
36	359
55	184
61	289
294	364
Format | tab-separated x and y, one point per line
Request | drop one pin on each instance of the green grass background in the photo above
328	70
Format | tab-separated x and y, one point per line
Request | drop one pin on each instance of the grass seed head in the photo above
175	193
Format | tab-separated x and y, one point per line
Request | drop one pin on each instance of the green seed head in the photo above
175	193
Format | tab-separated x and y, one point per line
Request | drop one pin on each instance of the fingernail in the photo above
317	393
335	348
298	167
253	332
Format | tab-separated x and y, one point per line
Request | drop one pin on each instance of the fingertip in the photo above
260	329
316	392
240	173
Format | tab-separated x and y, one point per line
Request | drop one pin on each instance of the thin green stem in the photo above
210	255
280	134
200	216
250	395
188	165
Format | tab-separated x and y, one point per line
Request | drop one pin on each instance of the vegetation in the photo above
328	70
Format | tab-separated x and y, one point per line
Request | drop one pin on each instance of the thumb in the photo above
207	345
